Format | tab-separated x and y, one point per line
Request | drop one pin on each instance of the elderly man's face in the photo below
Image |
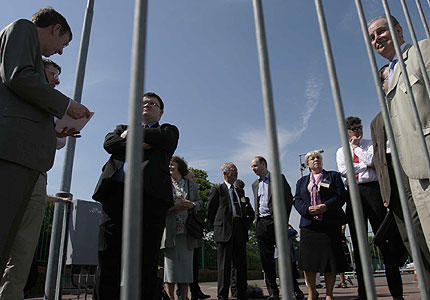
231	175
381	39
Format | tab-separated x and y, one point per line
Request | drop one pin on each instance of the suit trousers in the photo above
265	233
25	244
194	286
108	275
395	206
16	183
421	193
233	251
374	211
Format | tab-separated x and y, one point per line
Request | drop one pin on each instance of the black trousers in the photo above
265	232
374	211
233	251
16	183
108	276
194	286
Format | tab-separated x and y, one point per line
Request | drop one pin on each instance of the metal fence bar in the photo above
401	62
420	57
55	246
133	194
279	209
416	254
353	188
423	18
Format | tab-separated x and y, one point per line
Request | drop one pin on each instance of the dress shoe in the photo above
199	295
299	294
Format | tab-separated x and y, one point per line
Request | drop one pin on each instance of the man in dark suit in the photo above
159	144
231	217
27	108
265	227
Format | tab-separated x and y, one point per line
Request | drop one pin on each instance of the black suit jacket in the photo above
288	197
156	176
332	194
220	213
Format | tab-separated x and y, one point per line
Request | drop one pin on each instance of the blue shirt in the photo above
263	196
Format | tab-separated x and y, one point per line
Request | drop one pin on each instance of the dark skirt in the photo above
321	249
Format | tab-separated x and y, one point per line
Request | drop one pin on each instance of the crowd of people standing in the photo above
30	105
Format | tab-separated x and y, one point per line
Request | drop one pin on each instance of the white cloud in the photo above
254	141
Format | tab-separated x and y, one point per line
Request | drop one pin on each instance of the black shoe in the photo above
273	297
299	294
199	295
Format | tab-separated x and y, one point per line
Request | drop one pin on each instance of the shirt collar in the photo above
227	184
152	124
266	178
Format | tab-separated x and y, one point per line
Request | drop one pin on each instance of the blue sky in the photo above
202	60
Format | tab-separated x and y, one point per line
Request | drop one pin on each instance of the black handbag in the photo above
386	230
194	223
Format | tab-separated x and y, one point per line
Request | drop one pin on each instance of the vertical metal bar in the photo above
133	195
401	62
423	18
416	254
360	227
63	250
279	209
55	246
418	50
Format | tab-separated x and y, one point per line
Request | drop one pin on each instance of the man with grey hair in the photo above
228	214
412	157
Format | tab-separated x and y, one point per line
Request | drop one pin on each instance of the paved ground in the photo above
410	287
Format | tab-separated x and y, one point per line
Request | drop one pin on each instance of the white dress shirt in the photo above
364	168
230	192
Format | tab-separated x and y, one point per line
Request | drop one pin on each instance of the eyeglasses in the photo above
150	103
355	129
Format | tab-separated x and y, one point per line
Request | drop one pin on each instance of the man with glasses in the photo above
26	239
159	144
374	210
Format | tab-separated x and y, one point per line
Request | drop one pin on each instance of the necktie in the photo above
235	202
355	160
391	70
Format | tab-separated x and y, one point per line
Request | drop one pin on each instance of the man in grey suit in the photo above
411	156
265	227
27	108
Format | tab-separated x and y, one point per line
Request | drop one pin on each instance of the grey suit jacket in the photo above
405	131
288	197
27	102
169	234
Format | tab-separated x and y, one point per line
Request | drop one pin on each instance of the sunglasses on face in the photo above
355	129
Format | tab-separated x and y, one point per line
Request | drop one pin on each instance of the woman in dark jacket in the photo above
319	199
